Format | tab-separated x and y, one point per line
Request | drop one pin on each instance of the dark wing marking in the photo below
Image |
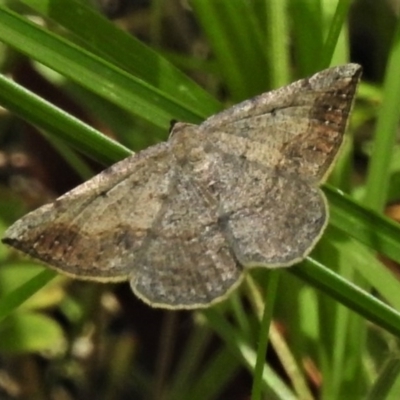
93	231
298	128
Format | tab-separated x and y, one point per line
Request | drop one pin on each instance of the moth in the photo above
182	220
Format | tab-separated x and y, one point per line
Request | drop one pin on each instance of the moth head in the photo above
186	142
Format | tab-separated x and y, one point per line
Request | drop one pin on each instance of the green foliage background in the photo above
337	310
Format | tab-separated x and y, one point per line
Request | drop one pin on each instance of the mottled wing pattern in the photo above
298	128
185	261
268	217
94	231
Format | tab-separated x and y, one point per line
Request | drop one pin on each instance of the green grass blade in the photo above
235	342
89	70
234	33
13	300
256	393
335	29
387	378
386	132
348	294
277	44
308	22
217	373
118	47
367	226
64	126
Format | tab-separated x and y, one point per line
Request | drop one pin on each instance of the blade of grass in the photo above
235	36
292	369
256	392
307	21
365	262
348	294
190	360
89	70
335	28
277	45
236	343
367	226
387	378
39	112
385	132
18	296
118	47
70	156
214	377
